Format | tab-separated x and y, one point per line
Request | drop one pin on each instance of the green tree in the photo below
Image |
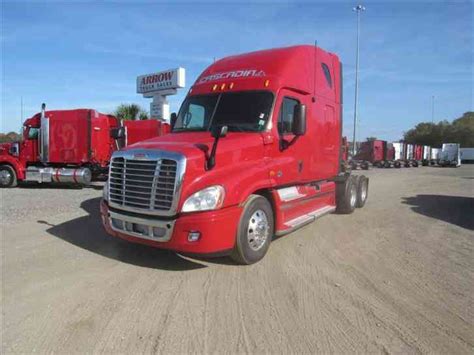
130	112
461	131
10	137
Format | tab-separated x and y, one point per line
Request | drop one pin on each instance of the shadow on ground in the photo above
87	232
457	210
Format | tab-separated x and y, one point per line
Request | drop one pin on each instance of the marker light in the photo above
231	85
223	86
267	82
214	88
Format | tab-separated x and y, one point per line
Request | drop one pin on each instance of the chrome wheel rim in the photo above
363	193
258	230
5	177
353	195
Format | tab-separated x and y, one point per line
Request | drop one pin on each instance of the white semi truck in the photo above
450	155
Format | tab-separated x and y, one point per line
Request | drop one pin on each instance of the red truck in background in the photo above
378	152
255	151
72	146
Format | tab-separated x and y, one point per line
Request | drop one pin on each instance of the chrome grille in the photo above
142	184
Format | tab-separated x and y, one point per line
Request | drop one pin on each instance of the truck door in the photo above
288	161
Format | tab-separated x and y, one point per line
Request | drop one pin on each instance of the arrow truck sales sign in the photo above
164	80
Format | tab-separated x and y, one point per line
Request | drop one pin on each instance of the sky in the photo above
72	54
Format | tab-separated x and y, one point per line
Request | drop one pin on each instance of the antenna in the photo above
21	110
315	69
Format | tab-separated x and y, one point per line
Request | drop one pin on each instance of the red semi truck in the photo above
255	151
72	146
378	152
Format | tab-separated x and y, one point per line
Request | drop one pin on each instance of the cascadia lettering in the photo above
232	74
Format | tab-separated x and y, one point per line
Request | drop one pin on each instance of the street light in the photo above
358	9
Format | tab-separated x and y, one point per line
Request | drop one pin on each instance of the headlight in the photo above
105	191
210	198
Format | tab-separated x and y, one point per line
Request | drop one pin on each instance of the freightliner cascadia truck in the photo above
254	152
69	146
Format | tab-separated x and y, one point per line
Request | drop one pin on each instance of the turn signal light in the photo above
267	82
223	86
231	85
214	88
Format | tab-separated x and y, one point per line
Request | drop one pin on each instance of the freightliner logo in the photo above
244	73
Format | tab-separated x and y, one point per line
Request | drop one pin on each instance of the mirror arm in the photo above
211	159
284	144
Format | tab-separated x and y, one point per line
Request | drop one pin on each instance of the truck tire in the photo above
386	164
415	164
364	165
362	190
397	164
7	176
346	195
254	232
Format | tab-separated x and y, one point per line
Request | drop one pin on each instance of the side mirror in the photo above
299	120
173	119
117	133
218	132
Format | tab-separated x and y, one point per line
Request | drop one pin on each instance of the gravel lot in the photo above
394	277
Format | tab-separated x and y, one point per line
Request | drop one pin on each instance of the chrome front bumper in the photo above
156	230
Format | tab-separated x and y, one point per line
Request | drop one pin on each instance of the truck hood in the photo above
240	161
195	145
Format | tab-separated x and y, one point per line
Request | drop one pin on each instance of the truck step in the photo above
305	219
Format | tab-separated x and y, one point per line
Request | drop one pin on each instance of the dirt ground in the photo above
394	277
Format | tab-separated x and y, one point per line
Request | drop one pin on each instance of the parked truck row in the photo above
382	154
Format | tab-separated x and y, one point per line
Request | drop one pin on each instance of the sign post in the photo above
158	86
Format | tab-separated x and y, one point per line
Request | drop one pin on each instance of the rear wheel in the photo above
362	190
415	164
346	195
397	164
255	231
386	164
7	176
364	165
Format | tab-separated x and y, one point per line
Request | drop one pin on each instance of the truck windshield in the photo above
239	111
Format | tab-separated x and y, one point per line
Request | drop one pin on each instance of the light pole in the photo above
358	9
432	108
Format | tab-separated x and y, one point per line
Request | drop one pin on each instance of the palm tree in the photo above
130	112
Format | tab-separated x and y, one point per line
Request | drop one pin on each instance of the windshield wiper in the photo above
189	130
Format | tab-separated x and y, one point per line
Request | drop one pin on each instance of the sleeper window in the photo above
327	74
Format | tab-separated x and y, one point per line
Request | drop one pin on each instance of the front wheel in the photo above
255	231
7	176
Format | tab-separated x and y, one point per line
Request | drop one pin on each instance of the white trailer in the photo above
399	156
450	155
410	151
426	155
435	154
467	155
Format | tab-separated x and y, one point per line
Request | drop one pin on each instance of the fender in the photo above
15	164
